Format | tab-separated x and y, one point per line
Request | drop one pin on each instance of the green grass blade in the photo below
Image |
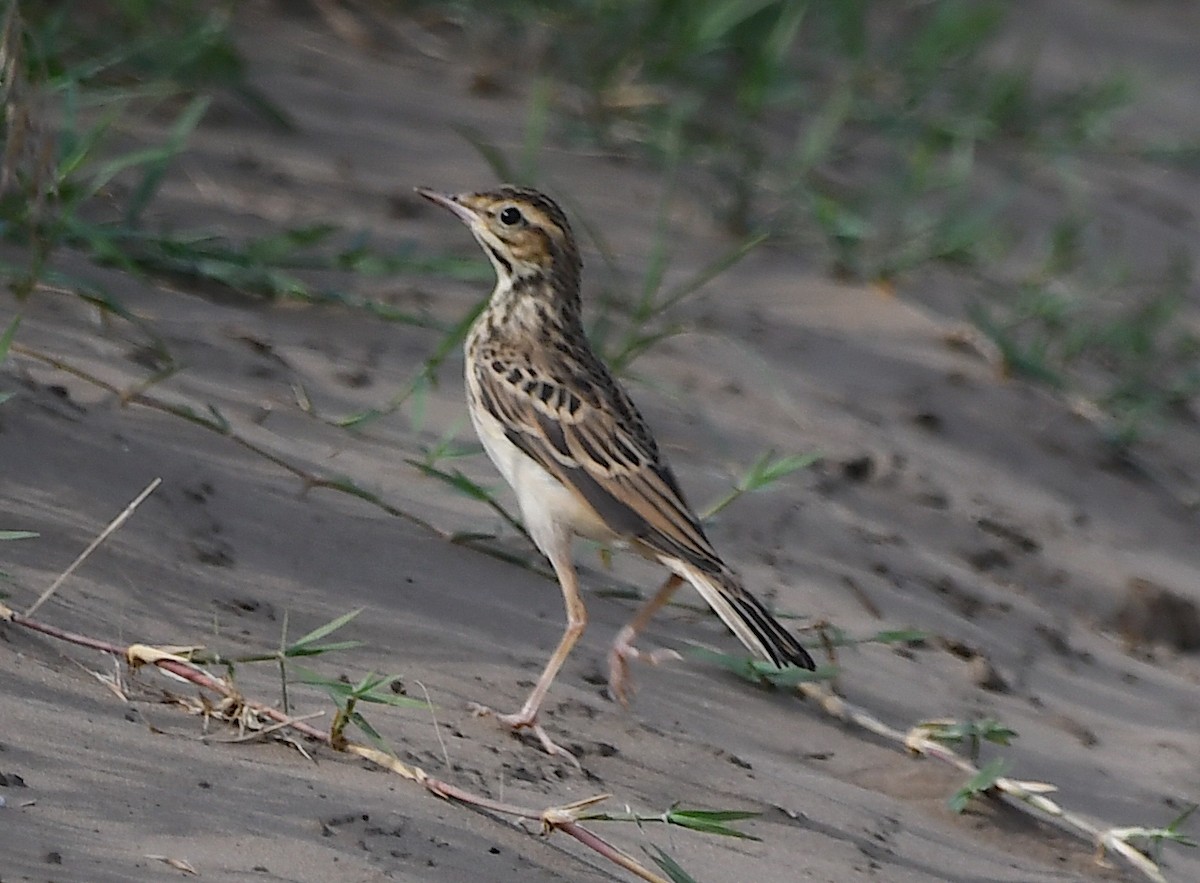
668	865
76	150
266	108
758	672
338	689
393	699
535	130
772	470
711	271
491	154
347	486
790	677
893	636
101	299
369	731
366	690
464	485
18	535
456	480
6	339
712	821
319	649
156	167
428	373
216	423
321	631
978	784
742	666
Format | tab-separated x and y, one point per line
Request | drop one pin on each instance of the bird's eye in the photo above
510	215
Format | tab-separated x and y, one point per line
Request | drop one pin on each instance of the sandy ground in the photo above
978	509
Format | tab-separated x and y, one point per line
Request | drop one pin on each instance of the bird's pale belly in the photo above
543	499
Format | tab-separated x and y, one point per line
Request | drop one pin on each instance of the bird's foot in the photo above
620	683
527	720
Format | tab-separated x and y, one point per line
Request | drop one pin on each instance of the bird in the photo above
568	439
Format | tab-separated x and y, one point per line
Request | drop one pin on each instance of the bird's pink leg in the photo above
526	718
622	650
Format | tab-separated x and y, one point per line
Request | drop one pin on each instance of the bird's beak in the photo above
449	201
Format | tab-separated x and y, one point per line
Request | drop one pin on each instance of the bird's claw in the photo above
522	720
620	683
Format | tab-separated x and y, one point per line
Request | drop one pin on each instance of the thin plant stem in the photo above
113	526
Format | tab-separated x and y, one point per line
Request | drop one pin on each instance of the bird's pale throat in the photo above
534	303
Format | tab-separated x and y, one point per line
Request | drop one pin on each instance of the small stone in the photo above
859	469
985	675
1154	614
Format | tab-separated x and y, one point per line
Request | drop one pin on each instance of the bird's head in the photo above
523	232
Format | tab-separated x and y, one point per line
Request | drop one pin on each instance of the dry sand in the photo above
976	508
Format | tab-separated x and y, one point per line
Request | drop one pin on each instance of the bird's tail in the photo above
746	617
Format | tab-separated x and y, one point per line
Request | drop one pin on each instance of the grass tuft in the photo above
979	784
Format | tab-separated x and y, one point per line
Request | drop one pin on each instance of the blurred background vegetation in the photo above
890	141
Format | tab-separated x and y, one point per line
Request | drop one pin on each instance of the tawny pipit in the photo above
569	440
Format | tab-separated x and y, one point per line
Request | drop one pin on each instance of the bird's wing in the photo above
575	420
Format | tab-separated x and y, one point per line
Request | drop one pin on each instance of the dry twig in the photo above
1027	796
232	707
112	528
